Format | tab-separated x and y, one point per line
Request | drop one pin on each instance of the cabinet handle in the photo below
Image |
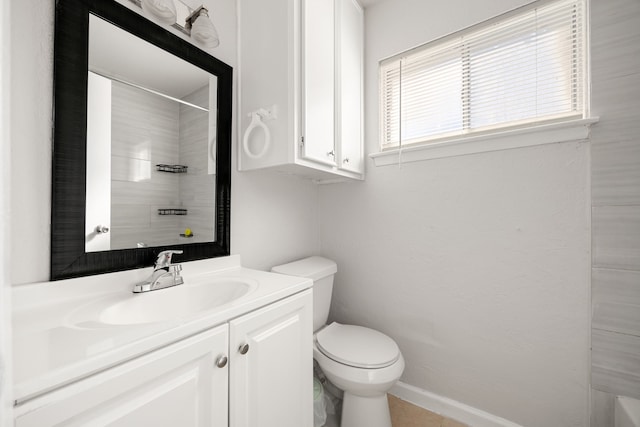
346	160
331	154
243	349
221	362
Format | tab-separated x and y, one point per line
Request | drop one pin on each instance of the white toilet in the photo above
362	362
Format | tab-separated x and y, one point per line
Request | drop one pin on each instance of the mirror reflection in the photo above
151	128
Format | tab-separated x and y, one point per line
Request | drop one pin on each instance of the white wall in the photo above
32	86
273	216
6	401
477	265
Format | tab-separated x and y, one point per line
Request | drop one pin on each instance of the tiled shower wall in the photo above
144	133
615	187
147	130
197	187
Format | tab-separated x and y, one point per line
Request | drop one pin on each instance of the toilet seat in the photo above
357	346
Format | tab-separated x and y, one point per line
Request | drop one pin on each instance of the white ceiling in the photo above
116	53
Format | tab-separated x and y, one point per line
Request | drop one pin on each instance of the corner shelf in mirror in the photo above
172	211
172	168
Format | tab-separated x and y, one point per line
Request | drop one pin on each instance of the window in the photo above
526	67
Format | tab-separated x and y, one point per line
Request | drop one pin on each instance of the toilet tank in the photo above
321	271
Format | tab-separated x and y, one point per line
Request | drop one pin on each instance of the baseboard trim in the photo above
448	407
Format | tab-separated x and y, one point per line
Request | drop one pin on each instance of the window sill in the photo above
574	130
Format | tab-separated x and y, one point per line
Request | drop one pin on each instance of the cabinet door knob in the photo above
346	160
101	229
221	362
243	349
331	154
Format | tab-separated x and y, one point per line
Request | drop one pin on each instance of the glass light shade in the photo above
161	11
203	32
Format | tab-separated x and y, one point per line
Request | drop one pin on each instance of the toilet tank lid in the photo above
314	268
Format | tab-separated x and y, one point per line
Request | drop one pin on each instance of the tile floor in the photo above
405	414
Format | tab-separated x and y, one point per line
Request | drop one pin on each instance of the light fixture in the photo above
162	11
202	29
198	25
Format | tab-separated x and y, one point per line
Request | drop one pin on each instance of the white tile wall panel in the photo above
619	127
615	363
130	169
197	187
158	190
616	300
616	286
616	237
129	216
617	317
615	171
616	95
615	159
615	38
144	133
159	237
144	126
197	190
201	221
615	185
602	407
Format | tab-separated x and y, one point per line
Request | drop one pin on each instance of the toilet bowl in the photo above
362	362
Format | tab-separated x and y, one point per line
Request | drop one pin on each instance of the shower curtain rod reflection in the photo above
155	92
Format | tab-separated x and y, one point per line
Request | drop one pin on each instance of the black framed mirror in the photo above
71	255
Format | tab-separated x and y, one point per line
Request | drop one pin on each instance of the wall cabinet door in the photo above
333	33
272	365
318	81
179	385
349	77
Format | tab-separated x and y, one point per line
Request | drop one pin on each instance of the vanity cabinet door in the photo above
179	385
272	365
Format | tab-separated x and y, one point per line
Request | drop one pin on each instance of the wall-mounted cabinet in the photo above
301	71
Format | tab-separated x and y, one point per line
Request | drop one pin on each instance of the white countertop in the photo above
50	350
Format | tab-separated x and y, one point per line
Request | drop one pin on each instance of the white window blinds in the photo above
522	68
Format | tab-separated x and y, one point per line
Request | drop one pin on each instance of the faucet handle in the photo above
175	269
164	258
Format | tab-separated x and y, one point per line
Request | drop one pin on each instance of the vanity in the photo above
230	347
142	167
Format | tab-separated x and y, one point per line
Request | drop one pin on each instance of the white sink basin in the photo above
161	305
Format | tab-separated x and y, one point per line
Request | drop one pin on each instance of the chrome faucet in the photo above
164	274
